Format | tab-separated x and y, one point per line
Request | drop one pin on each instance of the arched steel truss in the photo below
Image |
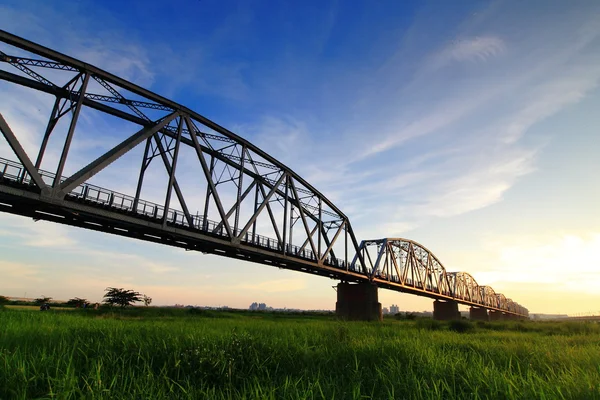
245	189
396	262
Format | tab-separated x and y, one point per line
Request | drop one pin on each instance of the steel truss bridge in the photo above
252	207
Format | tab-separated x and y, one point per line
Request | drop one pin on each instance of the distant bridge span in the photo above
252	206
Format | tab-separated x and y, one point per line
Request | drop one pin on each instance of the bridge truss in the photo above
397	262
251	207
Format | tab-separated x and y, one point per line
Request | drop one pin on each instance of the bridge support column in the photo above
358	302
478	314
497	315
445	310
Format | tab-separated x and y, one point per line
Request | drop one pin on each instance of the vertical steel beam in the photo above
291	239
144	166
74	118
320	223
346	245
172	172
285	214
239	191
255	208
178	192
208	193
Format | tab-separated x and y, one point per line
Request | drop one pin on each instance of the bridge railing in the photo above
13	171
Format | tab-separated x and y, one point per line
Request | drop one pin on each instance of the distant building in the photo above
385	310
394	309
258	307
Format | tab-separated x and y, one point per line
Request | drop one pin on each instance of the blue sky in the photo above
470	127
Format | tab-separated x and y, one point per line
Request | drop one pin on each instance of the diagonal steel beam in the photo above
23	68
301	211
22	155
270	211
332	241
143	168
395	262
235	206
261	207
370	261
69	138
326	238
58	111
178	192
306	241
208	176
359	256
112	155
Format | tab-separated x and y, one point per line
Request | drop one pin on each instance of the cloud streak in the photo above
476	49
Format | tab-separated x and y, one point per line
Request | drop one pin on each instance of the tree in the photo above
77	302
147	300
42	300
3	300
121	297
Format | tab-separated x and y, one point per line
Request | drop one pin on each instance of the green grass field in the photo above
172	354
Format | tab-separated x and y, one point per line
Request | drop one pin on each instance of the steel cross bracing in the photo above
246	191
394	262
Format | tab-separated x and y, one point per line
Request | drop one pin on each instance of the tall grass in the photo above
126	355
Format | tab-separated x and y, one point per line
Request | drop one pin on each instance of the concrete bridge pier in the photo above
445	310
497	315
358	301
478	314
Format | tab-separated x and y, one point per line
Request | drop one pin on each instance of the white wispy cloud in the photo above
475	49
460	147
550	98
37	234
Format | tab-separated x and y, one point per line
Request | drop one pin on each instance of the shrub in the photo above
429	324
460	326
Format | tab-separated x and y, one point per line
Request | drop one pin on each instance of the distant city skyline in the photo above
470	128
